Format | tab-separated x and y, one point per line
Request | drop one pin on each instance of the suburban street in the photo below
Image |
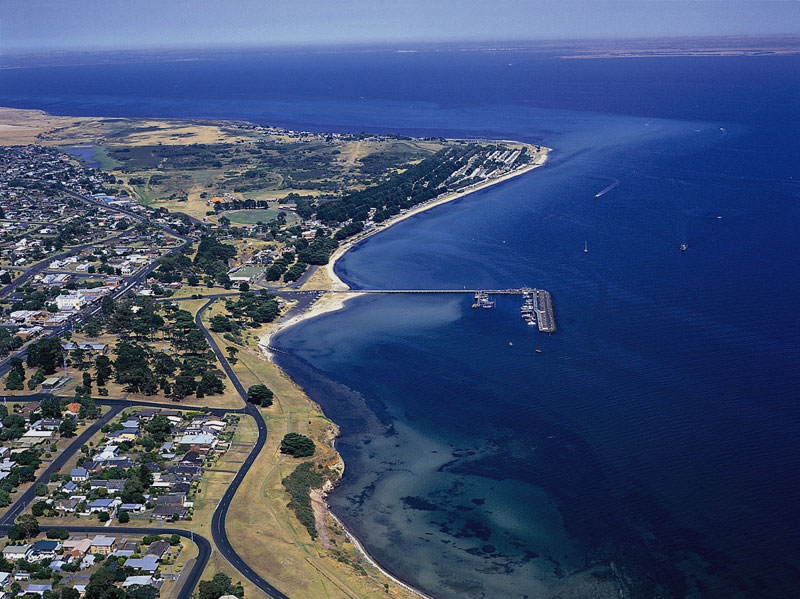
219	534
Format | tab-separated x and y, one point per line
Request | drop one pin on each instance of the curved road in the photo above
218	532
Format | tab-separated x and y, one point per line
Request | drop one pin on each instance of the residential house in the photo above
69	506
46	424
73	408
158	549
106	504
79	475
126	434
171	499
77	547
138	581
102	544
45	549
15	552
169	512
148	563
202	438
38	589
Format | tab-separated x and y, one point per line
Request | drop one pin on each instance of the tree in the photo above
244	287
88	408
46	353
124	518
38	508
14	381
103	371
142	591
144	475
17	364
219	585
108	305
184	385
232	351
103	517
297	445
87	379
70	593
51	407
209	384
220	324
261	395
133	370
159	428
92	328
26	526
67	427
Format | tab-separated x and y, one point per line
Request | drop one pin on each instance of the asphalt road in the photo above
218	533
20	504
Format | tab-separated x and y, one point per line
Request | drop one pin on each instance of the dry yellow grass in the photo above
319	280
21	127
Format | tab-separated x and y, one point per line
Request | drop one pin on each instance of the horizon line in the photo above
393	44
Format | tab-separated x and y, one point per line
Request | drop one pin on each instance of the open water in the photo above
654	443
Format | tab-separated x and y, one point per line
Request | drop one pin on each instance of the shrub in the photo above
297	445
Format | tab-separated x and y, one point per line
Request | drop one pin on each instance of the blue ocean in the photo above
650	447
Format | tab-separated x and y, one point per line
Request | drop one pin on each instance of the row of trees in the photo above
249	309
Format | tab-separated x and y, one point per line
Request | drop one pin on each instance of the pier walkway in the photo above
542	300
470	291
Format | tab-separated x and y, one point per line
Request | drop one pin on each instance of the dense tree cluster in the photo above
318	251
349	230
295	271
297	445
212	258
8	342
298	484
188	370
260	395
249	309
47	354
419	183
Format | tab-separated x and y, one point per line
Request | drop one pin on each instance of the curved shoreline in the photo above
337	284
337	301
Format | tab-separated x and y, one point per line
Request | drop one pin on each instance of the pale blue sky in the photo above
34	25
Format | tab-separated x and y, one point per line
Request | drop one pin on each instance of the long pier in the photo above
470	291
542	300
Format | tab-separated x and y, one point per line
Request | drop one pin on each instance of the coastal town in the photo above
134	327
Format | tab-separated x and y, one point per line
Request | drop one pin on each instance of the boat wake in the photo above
607	189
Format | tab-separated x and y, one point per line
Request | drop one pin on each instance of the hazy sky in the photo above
33	25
